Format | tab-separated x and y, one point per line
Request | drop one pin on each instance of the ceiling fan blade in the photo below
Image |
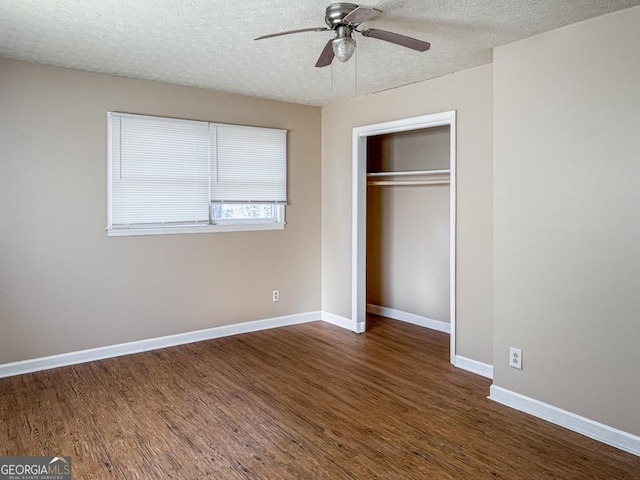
326	57
312	29
361	14
398	39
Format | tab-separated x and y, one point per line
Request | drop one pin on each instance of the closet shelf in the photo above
398	183
412	173
419	177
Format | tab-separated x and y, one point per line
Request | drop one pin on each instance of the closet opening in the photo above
404	207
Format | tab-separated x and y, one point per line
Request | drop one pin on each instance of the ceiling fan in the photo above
344	19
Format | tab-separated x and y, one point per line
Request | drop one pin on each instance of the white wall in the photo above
567	218
65	286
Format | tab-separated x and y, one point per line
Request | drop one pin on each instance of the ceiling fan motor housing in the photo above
336	12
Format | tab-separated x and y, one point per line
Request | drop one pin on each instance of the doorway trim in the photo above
359	211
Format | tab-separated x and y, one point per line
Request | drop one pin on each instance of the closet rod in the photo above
414	172
414	182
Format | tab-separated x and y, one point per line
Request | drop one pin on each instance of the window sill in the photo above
128	232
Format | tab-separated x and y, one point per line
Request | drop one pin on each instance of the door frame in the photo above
359	211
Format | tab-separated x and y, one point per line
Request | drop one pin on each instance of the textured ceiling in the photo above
209	43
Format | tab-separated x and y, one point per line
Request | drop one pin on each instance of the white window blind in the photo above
165	172
159	171
250	165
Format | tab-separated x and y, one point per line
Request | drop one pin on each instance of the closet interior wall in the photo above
408	222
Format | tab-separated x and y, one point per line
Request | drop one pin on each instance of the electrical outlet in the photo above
276	295
515	358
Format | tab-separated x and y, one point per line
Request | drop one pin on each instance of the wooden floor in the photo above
309	401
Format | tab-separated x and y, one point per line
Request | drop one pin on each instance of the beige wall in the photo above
567	221
470	93
65	286
422	149
408	226
408	249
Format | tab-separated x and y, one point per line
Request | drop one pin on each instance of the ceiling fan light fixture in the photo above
343	48
343	45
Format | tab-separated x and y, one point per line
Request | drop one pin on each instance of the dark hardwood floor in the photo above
309	401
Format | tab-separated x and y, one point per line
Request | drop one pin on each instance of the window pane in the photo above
242	211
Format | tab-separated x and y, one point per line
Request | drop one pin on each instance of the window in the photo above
180	176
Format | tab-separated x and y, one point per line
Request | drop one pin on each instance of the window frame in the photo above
227	225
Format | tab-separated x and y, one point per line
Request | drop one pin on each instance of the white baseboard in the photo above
409	318
474	366
72	358
339	321
590	428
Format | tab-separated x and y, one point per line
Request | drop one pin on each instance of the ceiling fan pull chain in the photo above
355	77
332	78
